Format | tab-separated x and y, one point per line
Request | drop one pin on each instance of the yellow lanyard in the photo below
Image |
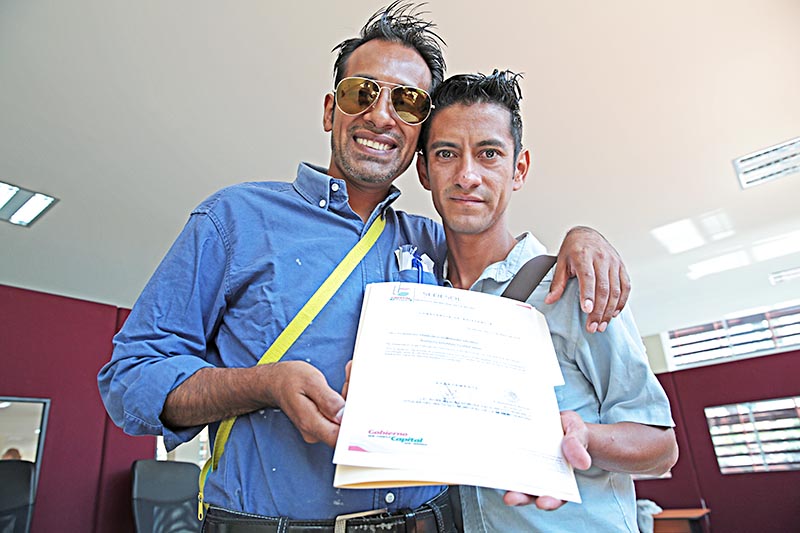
289	335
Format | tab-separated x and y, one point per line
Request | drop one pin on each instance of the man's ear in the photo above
521	169
327	113
422	171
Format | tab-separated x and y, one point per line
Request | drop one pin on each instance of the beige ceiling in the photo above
132	112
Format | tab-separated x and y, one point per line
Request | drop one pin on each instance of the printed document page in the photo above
452	387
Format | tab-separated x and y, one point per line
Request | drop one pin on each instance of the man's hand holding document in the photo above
452	387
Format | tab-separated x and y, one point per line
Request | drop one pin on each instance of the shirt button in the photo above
322	203
334	187
389	497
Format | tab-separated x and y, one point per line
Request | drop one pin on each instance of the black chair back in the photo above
17	494
165	496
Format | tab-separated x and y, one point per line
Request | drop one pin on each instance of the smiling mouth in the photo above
374	144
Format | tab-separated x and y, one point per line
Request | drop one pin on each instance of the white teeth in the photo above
373	144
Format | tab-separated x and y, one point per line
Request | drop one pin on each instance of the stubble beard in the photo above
357	167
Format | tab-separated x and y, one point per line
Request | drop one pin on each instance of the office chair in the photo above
165	496
16	495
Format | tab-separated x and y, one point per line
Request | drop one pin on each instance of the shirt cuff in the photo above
144	400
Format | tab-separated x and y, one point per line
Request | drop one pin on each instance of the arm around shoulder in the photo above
604	281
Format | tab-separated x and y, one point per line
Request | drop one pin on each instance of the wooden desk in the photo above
679	521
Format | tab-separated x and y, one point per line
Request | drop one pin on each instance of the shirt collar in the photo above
526	248
320	189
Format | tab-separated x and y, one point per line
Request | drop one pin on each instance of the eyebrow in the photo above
444	144
492	142
485	142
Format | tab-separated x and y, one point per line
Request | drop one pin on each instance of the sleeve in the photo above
614	366
165	340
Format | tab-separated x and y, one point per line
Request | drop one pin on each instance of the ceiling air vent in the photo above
768	164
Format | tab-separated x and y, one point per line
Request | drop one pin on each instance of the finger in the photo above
613	297
625	289
306	398
346	385
558	284
318	412
311	423
325	431
586	281
515	499
329	433
548	503
327	401
599	294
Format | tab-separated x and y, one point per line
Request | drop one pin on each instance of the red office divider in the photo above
53	347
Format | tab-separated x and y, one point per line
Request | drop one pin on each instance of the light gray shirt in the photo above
607	380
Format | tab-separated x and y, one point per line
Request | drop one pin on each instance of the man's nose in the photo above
468	175
380	113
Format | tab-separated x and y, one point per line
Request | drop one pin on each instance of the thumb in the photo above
575	442
558	284
575	453
329	403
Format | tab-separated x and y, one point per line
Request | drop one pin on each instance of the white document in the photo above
452	387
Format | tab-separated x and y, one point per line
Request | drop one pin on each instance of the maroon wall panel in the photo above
52	348
682	489
740	502
114	514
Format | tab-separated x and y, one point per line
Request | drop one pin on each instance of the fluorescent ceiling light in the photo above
31	209
718	264
717	225
7	192
777	247
679	236
21	206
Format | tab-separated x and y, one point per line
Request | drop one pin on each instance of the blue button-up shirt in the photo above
248	259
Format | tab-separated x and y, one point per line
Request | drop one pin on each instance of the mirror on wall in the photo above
23	422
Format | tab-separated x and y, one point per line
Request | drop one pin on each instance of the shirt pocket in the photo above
412	275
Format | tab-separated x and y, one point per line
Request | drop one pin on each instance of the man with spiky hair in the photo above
246	263
615	415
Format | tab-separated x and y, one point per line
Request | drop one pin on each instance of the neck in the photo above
469	255
364	200
363	197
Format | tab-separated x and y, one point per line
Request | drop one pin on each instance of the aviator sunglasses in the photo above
355	95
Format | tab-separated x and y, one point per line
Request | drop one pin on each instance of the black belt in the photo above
434	516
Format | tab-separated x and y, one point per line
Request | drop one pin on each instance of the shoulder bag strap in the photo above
529	277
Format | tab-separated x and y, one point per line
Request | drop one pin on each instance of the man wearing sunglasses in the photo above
615	415
249	259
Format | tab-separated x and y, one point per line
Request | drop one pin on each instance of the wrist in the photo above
592	438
